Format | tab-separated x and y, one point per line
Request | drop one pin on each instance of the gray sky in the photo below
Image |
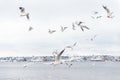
16	40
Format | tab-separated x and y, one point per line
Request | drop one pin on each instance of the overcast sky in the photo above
16	40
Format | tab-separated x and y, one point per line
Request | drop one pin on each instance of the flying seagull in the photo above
51	31
23	13
63	28
95	12
93	37
83	26
30	28
96	15
72	46
57	60
109	13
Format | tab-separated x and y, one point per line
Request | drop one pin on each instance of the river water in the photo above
45	71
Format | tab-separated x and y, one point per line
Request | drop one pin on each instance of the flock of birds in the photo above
74	25
109	14
80	24
82	27
23	13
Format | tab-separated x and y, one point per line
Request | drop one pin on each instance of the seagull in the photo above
69	65
93	37
96	16
51	31
75	44
63	28
58	61
95	12
22	10
30	28
83	26
72	46
109	14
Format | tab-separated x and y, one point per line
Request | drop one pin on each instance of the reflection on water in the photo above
78	71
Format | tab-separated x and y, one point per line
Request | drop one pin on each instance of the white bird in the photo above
26	65
109	13
83	26
93	37
72	46
23	13
57	60
96	15
51	31
30	28
63	28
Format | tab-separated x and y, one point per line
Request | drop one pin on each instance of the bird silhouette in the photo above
83	26
30	28
93	37
109	13
23	13
51	31
72	46
57	59
63	28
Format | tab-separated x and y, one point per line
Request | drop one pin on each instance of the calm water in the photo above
78	71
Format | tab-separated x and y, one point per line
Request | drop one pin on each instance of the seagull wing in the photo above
73	26
22	9
108	11
27	15
75	44
86	27
82	28
65	28
51	31
30	28
58	56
